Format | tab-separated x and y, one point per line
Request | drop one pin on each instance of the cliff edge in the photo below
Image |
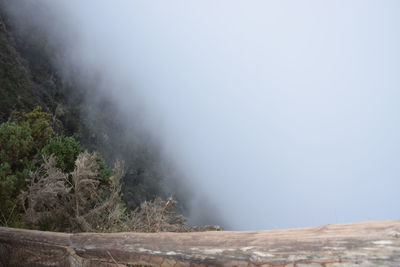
374	243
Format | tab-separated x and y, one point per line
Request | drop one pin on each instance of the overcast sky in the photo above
281	113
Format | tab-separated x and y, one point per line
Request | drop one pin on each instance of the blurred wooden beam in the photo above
375	243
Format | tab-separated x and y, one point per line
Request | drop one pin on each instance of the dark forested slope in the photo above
18	90
29	77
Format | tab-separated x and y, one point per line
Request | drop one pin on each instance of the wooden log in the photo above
375	243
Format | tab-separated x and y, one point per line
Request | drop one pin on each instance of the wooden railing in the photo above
375	243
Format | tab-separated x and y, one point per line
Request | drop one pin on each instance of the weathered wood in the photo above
374	243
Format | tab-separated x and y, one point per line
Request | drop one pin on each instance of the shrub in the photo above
51	183
9	189
65	150
157	216
16	146
39	123
73	201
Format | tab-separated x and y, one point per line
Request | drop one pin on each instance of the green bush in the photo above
21	140
16	144
39	123
104	171
43	177
16	153
65	149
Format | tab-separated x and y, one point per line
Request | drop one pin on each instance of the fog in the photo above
280	113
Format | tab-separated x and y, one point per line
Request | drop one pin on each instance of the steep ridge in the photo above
30	77
17	89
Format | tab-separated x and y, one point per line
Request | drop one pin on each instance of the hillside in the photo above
20	85
30	77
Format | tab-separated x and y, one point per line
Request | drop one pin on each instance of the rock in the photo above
374	243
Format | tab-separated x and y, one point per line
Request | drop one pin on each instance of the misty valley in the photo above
177	133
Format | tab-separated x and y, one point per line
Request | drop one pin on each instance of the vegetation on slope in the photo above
30	77
47	123
50	182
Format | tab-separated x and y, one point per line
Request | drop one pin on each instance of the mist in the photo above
279	113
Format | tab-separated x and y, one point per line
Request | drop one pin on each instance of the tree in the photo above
72	202
65	150
21	140
75	202
16	146
39	123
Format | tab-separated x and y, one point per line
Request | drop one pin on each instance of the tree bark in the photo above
375	243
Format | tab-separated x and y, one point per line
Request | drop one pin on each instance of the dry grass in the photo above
74	202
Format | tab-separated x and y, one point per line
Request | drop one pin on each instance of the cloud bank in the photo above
280	113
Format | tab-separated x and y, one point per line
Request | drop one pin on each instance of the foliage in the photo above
104	171
73	201
10	185
15	80
16	145
28	78
65	150
157	216
39	123
21	140
50	183
45	193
